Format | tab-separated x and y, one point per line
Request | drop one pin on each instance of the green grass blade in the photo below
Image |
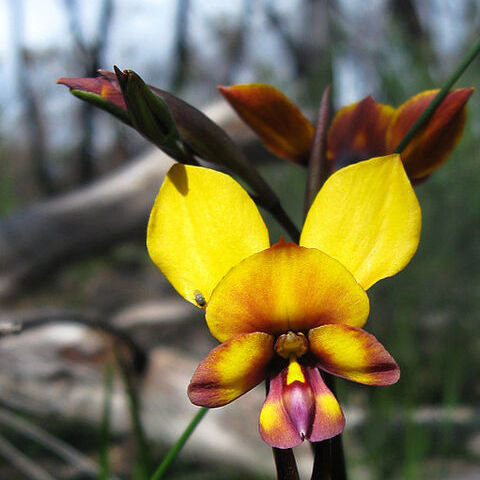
179	444
429	111
104	473
144	465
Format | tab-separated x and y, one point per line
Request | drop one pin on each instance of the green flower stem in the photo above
423	119
175	450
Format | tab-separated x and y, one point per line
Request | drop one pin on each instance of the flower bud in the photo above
148	112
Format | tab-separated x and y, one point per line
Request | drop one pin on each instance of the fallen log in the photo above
40	237
39	379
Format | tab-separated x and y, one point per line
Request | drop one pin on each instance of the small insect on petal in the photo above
200	299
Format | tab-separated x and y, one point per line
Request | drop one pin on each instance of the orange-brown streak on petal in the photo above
276	427
354	354
329	420
285	287
103	86
278	122
431	147
231	369
358	132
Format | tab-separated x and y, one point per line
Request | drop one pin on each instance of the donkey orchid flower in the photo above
359	131
367	128
283	313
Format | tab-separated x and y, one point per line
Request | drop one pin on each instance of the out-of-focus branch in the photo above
35	135
180	53
92	320
21	462
293	46
91	54
310	49
236	46
76	459
406	13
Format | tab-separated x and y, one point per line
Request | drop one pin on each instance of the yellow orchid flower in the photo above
287	311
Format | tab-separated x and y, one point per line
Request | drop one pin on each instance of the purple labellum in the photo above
299	402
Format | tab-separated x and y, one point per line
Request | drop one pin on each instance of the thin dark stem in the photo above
322	464
285	464
329	462
318	167
339	470
423	119
266	198
284	458
283	219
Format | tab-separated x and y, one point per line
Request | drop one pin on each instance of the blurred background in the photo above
96	348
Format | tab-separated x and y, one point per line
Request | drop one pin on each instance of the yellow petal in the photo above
367	217
352	353
202	224
231	369
284	288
